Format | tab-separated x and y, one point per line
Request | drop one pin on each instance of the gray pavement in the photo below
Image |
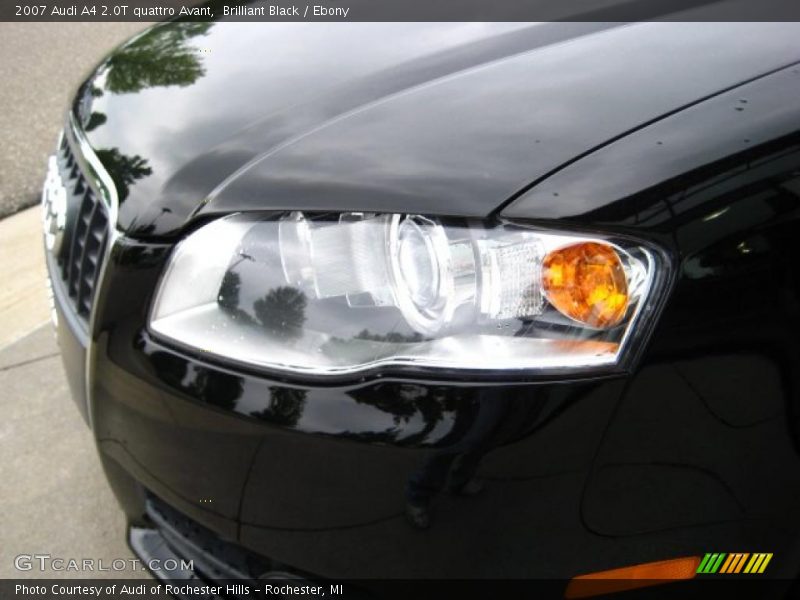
41	64
54	496
55	499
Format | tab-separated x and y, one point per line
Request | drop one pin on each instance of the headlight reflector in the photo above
322	296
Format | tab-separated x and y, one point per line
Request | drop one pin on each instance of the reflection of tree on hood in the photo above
285	406
220	389
124	170
159	57
403	401
95	120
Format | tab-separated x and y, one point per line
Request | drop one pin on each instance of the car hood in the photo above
454	119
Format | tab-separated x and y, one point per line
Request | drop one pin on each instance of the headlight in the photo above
316	295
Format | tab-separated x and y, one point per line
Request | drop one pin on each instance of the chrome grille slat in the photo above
81	258
87	267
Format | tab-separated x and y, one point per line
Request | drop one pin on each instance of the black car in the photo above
409	301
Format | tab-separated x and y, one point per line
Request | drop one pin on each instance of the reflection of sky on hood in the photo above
571	95
255	70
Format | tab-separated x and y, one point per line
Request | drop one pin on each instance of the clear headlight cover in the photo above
323	295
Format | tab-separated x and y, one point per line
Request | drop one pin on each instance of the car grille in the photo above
82	253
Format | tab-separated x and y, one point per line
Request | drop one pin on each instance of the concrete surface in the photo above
23	299
41	65
55	499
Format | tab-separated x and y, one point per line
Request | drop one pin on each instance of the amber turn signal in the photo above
586	282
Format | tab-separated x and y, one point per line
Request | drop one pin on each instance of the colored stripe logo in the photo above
734	563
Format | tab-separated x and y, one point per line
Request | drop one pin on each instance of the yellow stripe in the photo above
727	563
752	562
757	563
765	563
741	562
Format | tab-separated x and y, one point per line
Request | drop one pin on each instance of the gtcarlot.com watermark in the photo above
48	563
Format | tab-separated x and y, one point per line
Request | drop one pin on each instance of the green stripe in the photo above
718	564
701	568
710	563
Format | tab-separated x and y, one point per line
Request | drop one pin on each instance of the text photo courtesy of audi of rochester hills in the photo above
382	300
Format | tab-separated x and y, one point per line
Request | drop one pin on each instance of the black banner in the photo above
731	588
400	10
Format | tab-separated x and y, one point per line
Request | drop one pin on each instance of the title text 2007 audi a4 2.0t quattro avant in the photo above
439	300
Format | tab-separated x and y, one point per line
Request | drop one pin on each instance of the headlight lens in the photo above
323	295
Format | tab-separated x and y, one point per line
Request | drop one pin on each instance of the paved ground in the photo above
23	301
41	65
53	498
